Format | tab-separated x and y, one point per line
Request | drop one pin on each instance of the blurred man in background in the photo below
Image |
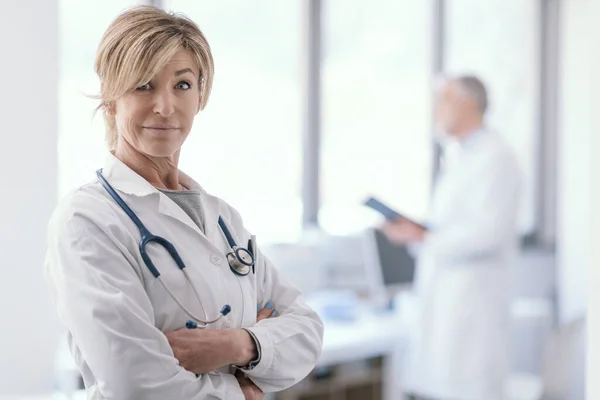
459	347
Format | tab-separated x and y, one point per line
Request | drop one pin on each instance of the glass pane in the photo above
505	55
246	145
81	148
376	110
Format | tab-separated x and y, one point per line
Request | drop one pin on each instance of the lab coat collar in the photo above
455	149
472	137
125	180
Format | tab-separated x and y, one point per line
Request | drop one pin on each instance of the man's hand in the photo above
402	231
204	350
249	389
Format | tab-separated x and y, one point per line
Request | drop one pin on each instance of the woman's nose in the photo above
164	103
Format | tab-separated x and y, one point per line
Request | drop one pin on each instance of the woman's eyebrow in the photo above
183	71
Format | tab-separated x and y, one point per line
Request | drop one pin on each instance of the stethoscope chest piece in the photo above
240	260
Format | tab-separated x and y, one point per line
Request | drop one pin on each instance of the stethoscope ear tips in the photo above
226	309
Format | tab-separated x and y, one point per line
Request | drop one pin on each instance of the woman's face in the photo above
156	118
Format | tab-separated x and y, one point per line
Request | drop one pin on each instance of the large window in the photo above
499	41
81	148
246	146
376	134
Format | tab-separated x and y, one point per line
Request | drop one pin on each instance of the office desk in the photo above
370	335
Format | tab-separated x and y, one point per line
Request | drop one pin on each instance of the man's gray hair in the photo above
473	87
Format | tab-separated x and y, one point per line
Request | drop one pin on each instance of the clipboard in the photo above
389	213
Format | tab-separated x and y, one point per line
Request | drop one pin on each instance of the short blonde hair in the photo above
136	46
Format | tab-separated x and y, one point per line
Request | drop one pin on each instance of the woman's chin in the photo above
161	149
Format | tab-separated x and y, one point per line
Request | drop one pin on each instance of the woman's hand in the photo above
249	389
267	312
201	350
205	350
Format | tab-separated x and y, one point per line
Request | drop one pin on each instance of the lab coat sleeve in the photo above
290	343
102	302
491	216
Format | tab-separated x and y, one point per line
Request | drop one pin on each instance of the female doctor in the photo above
156	281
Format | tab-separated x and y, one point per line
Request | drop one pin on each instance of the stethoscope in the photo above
240	259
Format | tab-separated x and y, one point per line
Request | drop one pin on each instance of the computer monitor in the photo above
390	268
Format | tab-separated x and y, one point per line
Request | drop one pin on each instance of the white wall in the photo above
28	177
579	175
593	314
574	172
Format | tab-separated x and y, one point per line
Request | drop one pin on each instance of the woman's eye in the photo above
145	86
183	86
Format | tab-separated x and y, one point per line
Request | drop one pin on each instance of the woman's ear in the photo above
111	108
200	92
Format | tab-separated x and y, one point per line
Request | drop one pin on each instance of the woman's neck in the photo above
160	172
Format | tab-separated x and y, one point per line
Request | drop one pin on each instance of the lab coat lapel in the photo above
124	179
211	210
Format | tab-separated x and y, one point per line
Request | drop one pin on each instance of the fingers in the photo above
248	392
399	220
248	388
267	312
391	231
258	394
395	233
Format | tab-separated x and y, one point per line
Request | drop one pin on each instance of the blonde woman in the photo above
156	281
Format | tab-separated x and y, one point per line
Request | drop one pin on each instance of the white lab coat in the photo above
459	348
115	311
